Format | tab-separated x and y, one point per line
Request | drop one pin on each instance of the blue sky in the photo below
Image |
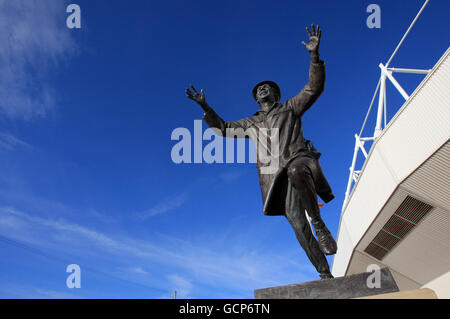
86	116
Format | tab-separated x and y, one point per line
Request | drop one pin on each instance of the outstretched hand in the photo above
314	38
195	96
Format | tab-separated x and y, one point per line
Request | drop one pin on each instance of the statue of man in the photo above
294	186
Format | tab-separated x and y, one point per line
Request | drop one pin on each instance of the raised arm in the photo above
221	127
314	88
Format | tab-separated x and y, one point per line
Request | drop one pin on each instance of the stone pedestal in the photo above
354	286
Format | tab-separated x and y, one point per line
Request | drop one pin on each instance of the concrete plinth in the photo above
354	286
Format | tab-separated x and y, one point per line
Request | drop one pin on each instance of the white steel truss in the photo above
386	73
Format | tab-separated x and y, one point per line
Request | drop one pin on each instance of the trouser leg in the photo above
299	222
301	177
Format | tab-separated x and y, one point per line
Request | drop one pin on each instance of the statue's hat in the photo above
271	83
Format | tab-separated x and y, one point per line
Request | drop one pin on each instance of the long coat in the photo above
281	124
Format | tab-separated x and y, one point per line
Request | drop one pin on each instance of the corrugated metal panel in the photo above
386	240
425	253
405	218
398	226
394	202
421	126
413	210
432	179
437	230
376	251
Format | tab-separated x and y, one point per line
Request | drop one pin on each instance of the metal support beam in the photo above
394	81
352	168
403	70
378	128
361	145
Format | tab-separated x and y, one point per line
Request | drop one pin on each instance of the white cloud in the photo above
34	38
9	142
181	285
137	270
193	269
30	292
13	218
177	200
166	205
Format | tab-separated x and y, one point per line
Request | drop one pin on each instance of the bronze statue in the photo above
294	187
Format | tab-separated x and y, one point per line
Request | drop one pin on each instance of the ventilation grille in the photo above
410	212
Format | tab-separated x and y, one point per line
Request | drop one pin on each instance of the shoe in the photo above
326	275
327	243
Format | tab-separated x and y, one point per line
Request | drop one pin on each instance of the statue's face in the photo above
265	91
